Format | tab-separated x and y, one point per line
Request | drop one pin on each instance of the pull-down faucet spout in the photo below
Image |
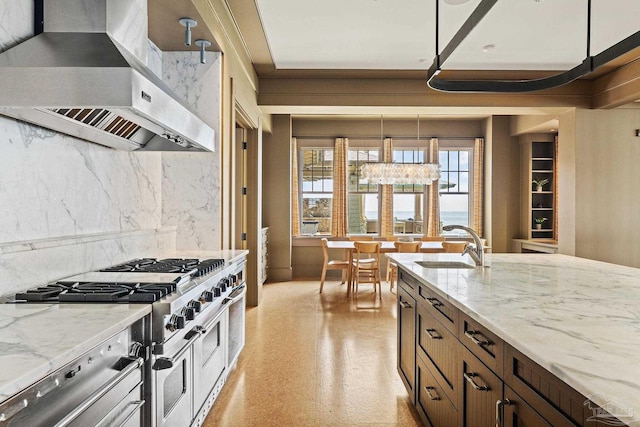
477	252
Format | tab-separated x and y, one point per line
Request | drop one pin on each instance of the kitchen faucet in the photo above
477	252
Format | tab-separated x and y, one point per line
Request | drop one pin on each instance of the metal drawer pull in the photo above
434	302
499	413
469	377
167	362
430	331
472	336
71	416
405	304
138	404
431	396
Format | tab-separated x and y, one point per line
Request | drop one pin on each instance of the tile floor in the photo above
315	359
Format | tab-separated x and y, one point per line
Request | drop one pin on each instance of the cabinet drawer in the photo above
483	343
441	350
432	403
442	310
481	389
558	403
516	412
410	283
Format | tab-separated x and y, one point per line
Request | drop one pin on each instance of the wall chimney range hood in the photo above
84	76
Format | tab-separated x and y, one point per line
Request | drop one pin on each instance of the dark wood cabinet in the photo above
481	389
432	402
440	349
460	373
517	413
407	339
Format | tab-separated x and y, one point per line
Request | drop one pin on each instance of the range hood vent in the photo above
85	83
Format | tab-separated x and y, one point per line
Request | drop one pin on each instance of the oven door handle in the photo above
71	416
167	362
232	299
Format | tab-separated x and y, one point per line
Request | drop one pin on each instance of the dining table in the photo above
385	246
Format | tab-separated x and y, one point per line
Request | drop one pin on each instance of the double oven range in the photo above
183	352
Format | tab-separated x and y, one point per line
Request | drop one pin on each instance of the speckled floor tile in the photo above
316	360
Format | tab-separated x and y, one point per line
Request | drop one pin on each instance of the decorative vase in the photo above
538	226
539	188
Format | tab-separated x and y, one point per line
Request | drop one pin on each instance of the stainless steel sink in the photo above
444	264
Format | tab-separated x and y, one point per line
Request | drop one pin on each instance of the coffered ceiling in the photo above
391	37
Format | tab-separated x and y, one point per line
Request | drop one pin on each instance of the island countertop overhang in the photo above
575	317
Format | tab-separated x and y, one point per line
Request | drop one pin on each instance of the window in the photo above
408	199
455	193
316	188
362	199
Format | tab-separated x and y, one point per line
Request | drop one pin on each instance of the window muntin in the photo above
362	198
455	189
316	174
408	199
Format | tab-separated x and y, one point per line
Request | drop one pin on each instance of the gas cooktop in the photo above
143	280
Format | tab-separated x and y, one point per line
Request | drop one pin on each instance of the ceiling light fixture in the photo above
589	64
203	44
456	2
488	47
400	173
188	23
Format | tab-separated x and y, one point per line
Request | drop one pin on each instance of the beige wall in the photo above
276	200
607	194
502	188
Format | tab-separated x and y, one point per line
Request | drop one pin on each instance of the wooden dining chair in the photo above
366	265
454	247
392	268
331	264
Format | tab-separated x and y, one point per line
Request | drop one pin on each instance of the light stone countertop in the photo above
37	339
577	318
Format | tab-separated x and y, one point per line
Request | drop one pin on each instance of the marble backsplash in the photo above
69	206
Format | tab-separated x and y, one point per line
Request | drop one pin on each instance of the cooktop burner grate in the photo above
98	292
169	265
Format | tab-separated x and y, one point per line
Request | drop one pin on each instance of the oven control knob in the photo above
196	305
207	296
217	292
223	285
175	322
189	313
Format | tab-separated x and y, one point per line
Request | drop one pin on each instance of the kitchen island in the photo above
575	318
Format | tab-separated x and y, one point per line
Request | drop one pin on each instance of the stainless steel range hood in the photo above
78	78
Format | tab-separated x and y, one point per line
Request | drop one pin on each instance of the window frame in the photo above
359	144
461	145
311	144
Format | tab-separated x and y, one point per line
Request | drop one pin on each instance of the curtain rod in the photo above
377	138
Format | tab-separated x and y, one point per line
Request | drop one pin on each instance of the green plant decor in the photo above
540	182
539	220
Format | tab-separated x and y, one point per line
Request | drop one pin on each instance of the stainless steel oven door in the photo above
209	359
236	303
174	387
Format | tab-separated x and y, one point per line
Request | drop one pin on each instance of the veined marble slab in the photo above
37	339
577	318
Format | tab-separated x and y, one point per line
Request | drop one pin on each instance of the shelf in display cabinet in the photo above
541	209
542	158
541	192
541	171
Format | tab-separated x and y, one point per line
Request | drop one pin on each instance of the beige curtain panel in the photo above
478	186
295	206
433	194
386	214
339	204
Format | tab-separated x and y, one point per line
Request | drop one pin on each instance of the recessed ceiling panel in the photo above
526	35
349	34
613	21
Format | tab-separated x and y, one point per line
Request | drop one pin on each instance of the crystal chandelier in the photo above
400	173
